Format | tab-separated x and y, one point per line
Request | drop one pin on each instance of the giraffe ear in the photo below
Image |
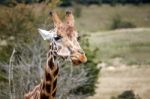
69	18
56	19
47	35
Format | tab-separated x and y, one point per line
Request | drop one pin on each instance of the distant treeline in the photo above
99	2
70	2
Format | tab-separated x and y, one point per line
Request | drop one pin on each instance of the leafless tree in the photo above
28	62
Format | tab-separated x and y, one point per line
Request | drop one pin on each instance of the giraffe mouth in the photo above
78	59
75	61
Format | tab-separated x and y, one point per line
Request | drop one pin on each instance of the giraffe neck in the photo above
51	73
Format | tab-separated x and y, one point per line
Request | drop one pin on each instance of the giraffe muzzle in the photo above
78	59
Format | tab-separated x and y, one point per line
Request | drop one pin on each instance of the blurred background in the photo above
115	35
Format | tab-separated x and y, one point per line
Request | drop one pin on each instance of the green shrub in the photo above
118	23
20	23
91	67
129	94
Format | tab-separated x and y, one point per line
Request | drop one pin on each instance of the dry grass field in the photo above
115	80
125	64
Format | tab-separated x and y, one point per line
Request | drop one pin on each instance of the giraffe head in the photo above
66	38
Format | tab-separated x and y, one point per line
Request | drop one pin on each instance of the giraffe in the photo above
64	44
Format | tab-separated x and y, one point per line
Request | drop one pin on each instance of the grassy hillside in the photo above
132	45
96	18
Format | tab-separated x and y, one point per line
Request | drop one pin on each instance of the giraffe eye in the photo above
58	37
